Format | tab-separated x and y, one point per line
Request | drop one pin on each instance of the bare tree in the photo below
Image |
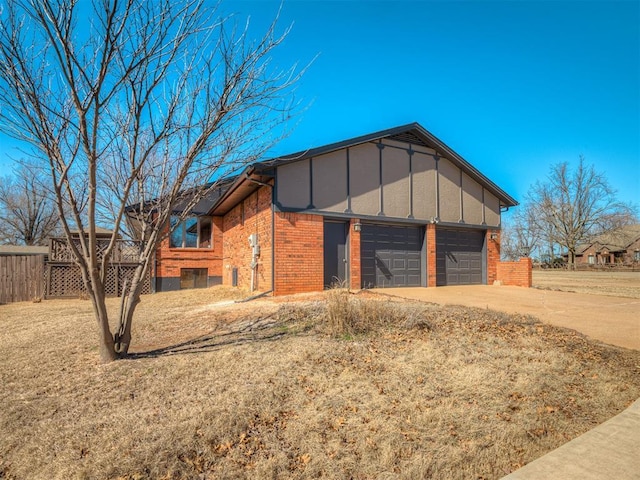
132	101
521	236
28	213
572	206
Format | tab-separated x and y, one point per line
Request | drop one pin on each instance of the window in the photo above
192	232
636	256
592	259
193	278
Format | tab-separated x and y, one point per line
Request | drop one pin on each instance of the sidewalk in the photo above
609	451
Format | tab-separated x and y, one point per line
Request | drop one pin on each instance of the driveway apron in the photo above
612	320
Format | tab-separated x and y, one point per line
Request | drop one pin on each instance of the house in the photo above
389	209
619	246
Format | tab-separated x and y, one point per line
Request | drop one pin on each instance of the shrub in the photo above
348	315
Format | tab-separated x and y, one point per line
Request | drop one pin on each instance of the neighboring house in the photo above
393	208
621	246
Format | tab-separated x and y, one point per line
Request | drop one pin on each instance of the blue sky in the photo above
512	86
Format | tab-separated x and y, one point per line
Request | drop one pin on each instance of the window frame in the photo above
192	276
180	231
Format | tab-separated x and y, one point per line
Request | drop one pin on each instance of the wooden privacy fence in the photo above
21	278
29	277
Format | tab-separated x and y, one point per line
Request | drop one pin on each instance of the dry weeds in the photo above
260	390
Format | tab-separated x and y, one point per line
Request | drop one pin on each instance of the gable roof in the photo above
412	133
615	240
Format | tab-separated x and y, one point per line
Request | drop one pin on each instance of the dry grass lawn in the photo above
615	284
281	389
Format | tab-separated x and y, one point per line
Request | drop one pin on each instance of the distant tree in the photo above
28	212
521	236
132	101
574	205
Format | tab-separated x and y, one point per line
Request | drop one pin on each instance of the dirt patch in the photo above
265	390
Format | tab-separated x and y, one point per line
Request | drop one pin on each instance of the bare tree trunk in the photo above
98	298
122	338
159	98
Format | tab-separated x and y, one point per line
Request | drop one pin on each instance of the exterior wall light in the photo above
493	236
357	227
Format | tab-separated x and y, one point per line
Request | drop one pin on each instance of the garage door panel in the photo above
459	255
391	256
413	264
399	264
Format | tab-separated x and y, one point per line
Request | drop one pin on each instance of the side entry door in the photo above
335	253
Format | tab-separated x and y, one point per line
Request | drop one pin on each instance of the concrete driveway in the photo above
613	320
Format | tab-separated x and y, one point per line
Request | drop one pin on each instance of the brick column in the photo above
493	255
355	279
431	254
528	265
517	274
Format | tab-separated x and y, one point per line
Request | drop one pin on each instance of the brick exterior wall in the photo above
493	255
355	271
431	254
518	274
169	260
630	256
299	253
252	215
596	250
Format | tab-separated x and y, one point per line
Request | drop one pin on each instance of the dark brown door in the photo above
335	253
391	256
459	256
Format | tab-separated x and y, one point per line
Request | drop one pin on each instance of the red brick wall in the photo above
299	253
355	279
252	215
631	251
597	251
431	255
493	255
518	274
169	261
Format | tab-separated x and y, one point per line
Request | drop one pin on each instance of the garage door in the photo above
390	256
459	257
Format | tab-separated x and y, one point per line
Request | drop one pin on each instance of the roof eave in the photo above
259	168
250	180
505	199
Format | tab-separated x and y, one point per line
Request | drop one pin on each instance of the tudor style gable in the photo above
403	174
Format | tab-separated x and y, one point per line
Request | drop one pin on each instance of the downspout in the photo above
273	223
